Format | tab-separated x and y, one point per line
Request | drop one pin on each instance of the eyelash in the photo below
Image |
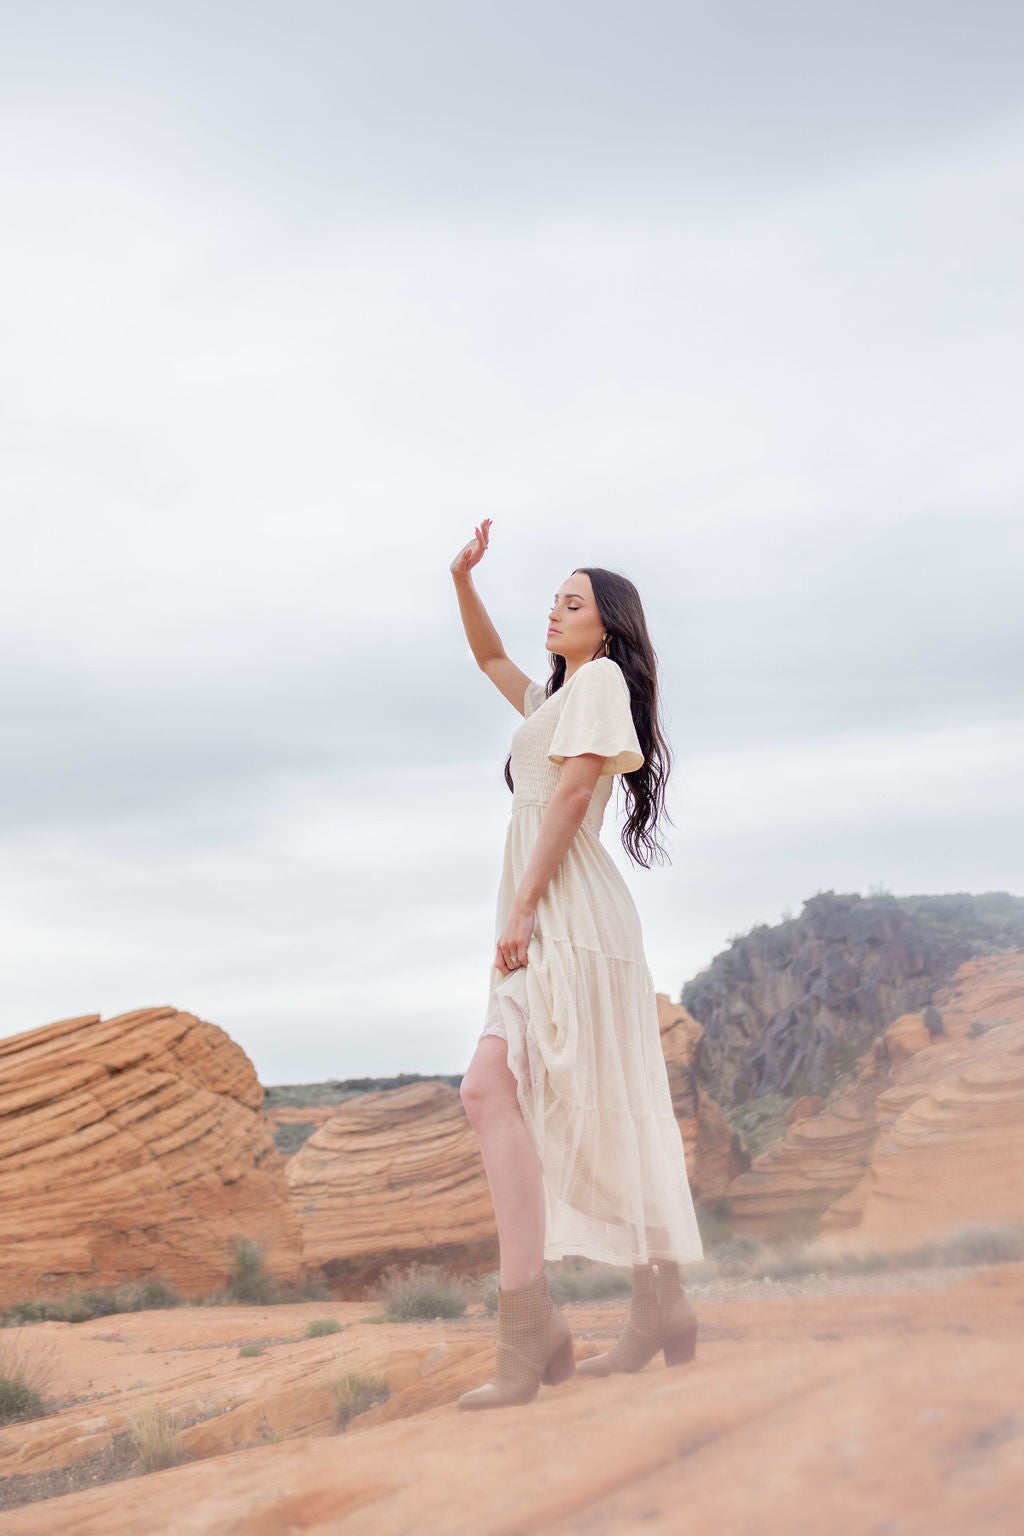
573	608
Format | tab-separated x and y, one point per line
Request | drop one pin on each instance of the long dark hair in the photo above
622	614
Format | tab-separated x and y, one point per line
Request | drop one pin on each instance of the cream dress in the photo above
580	1018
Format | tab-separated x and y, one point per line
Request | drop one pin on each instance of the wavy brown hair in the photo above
629	644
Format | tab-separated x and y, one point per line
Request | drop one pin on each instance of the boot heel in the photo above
681	1347
561	1365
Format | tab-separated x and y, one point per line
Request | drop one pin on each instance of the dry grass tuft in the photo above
26	1371
156	1436
354	1393
421	1290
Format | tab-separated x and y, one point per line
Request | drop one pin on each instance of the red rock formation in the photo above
134	1147
394	1177
714	1152
929	1135
808	1105
950	1149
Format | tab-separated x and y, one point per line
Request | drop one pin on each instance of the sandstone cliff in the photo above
134	1147
929	1134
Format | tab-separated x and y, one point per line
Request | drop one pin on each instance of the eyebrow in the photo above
573	594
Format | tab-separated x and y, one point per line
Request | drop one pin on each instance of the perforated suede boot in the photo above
660	1317
534	1345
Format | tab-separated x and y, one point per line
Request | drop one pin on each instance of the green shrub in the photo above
318	1327
247	1351
19	1401
355	1393
421	1290
248	1282
26	1368
81	1306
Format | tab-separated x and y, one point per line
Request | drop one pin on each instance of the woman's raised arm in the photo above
484	640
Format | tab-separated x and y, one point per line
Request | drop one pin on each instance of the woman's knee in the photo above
487	1089
476	1093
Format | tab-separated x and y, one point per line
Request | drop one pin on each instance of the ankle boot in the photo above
534	1345
660	1317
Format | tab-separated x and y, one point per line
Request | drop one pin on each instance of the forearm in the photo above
561	821
484	640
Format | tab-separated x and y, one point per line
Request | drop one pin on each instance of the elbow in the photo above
577	803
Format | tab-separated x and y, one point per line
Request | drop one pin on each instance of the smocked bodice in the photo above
534	775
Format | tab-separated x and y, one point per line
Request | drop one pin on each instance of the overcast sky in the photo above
726	298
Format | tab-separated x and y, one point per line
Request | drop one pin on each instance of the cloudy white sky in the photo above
725	297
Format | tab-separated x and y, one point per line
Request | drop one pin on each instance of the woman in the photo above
567	1089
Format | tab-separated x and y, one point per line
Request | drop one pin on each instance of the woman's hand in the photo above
510	954
473	553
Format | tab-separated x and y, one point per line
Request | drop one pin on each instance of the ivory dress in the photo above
580	1018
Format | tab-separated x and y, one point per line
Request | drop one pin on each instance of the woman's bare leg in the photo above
513	1169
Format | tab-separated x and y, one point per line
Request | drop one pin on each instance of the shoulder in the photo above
604	674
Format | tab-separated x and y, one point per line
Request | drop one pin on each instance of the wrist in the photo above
523	907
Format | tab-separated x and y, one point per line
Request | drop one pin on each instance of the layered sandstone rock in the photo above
929	1134
715	1155
394	1177
950	1148
134	1147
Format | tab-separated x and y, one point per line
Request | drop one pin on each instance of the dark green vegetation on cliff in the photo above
788	1008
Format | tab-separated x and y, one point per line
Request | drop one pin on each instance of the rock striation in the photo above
950	1143
928	1135
394	1177
131	1148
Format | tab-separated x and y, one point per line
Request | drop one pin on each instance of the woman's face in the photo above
575	630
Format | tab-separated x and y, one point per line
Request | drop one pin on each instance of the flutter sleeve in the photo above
596	717
533	698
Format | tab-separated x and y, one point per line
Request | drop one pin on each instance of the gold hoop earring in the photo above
607	647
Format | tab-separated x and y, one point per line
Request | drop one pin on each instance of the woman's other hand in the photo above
473	552
510	954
